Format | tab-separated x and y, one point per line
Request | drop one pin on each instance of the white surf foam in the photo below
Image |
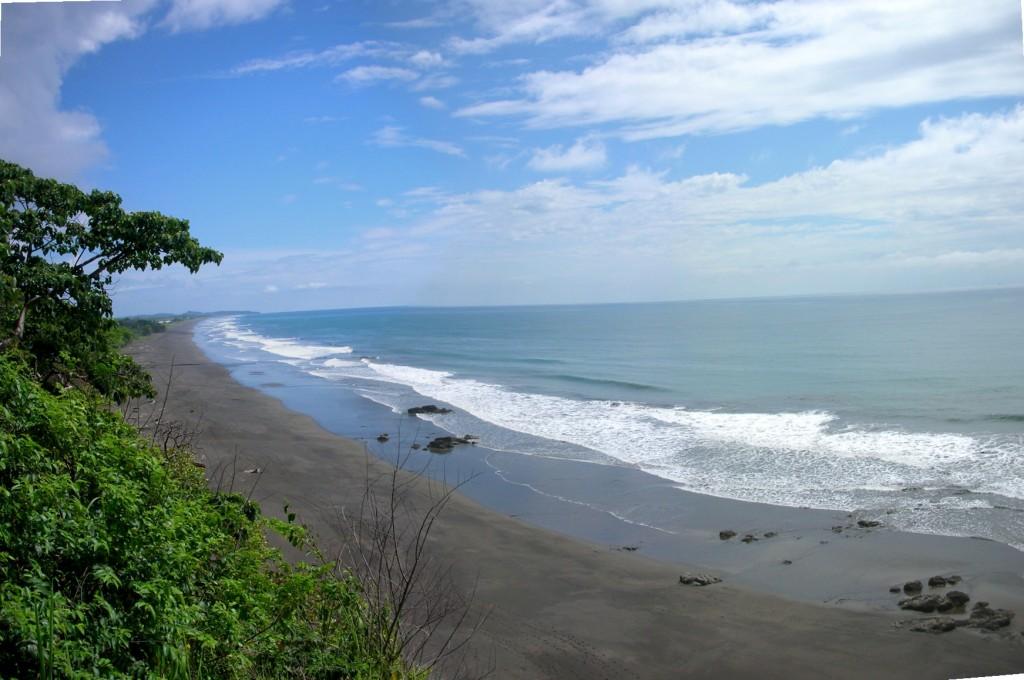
798	458
340	363
229	331
782	458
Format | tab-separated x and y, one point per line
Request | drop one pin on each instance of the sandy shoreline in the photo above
566	608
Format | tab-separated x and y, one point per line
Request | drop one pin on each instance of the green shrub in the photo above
116	560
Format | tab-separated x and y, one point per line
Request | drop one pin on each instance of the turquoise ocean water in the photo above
909	404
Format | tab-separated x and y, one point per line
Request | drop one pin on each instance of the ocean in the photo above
907	406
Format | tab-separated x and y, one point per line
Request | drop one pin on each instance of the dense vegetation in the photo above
138	327
116	559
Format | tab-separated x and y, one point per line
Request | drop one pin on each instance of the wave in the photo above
228	331
798	458
340	363
607	382
805	458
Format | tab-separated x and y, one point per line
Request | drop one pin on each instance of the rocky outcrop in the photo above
984	617
912	587
383	437
698	579
938	624
926	603
937	582
868	523
959	599
428	409
726	535
931	603
446	444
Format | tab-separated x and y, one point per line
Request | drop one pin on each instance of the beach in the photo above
562	607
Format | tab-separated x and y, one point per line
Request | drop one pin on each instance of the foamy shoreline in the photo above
927	482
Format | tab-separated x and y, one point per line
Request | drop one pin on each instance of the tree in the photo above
60	250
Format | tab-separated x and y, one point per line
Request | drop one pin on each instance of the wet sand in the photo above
567	608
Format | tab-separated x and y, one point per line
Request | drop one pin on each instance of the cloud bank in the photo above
710	67
940	210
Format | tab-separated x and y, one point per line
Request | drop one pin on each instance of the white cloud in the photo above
435	81
307	58
425	59
412	62
270	288
533	21
961	258
539	21
432	102
673	153
366	75
585	154
340	183
939	211
393	136
41	41
710	17
421	22
200	15
743	65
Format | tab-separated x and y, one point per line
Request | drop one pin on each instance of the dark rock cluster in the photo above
981	617
698	579
932	602
986	618
428	409
446	444
726	534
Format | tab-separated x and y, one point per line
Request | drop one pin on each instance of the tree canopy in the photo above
61	249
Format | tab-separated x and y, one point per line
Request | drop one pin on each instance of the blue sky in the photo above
478	152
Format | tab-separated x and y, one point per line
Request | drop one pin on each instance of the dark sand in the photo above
563	608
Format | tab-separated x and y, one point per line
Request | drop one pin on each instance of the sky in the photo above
356	153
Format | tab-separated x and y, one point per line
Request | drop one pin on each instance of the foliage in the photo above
137	327
60	249
116	560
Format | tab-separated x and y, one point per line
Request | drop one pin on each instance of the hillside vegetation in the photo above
116	559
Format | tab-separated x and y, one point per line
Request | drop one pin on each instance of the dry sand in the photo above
560	608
